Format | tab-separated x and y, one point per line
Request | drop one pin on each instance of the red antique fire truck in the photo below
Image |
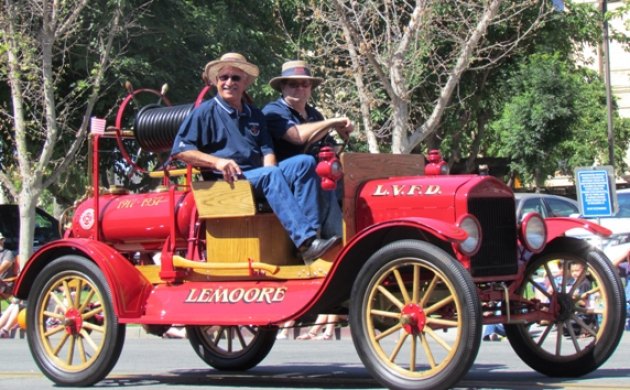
427	258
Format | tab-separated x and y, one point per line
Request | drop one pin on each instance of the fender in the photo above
129	288
350	259
445	231
558	226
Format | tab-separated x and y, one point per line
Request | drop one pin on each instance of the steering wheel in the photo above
324	137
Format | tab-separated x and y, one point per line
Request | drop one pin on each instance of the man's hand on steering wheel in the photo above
342	125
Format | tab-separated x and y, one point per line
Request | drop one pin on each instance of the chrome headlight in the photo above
533	232
470	225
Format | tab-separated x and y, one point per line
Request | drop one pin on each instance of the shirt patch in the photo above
254	128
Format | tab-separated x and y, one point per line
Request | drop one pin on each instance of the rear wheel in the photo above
582	313
73	333
415	317
231	348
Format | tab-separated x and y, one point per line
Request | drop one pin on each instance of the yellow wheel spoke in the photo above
391	297
401	286
64	338
429	291
77	293
88	300
67	294
416	284
94	327
383	313
438	339
439	304
50	314
427	350
92	313
441	321
398	346
82	352
88	339
388	332
54	330
58	301
71	346
412	353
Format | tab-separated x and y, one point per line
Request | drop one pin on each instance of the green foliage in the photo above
554	120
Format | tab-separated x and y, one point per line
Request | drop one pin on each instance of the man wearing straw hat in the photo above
229	137
292	121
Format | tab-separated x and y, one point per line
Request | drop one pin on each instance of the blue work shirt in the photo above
280	118
217	128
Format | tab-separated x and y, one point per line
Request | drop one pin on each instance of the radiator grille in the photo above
497	255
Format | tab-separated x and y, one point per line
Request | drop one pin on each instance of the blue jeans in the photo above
494	328
291	189
331	214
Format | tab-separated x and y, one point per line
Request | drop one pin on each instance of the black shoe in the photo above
318	247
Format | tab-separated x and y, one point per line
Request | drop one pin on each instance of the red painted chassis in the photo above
421	253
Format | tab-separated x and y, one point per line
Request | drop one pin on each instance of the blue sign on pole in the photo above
594	192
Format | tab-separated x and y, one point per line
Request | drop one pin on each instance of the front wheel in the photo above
415	317
231	348
73	332
581	310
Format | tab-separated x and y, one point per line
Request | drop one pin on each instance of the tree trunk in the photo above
463	60
400	123
27	205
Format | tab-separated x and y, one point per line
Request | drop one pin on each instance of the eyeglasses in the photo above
234	77
297	84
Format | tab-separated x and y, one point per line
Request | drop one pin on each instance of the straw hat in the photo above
295	70
230	59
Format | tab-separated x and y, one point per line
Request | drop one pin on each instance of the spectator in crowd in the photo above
229	136
493	332
7	270
293	121
8	320
327	322
284	330
7	267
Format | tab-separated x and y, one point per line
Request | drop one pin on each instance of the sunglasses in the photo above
297	84
234	77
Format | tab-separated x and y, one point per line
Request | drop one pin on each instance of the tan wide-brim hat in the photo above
230	59
295	70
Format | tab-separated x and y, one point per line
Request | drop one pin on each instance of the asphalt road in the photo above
149	362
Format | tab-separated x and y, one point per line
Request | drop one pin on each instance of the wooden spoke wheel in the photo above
578	298
72	330
415	317
231	348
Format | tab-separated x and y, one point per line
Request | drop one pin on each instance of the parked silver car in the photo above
546	205
616	246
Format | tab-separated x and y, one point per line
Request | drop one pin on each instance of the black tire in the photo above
404	284
232	348
580	326
75	339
